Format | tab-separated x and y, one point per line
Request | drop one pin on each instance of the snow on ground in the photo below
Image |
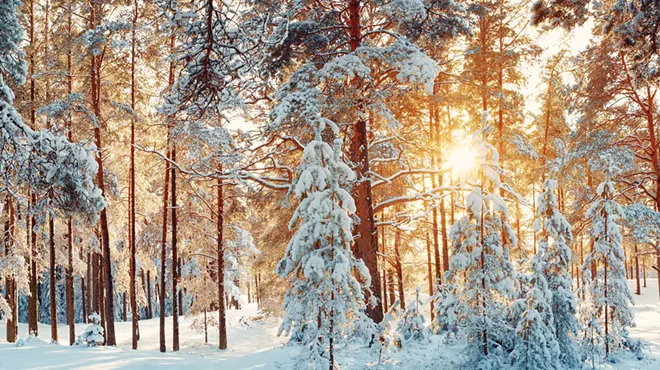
255	346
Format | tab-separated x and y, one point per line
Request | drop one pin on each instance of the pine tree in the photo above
480	281
554	243
535	345
326	301
411	326
605	308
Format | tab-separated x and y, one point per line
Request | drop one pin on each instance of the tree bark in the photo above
366	245
70	291
11	295
638	291
52	280
110	338
430	274
163	251
175	257
70	298
134	309
399	267
33	309
222	325
150	313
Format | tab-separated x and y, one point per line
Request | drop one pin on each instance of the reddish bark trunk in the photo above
222	332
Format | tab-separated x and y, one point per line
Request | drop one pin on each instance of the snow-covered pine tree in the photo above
555	237
411	326
480	282
326	302
605	307
535	344
94	334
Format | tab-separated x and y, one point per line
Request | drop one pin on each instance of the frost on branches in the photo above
554	244
326	303
605	307
480	280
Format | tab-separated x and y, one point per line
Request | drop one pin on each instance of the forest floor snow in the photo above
254	345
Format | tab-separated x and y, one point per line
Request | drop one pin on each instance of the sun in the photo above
461	160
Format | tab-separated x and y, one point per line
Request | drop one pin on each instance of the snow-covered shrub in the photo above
94	334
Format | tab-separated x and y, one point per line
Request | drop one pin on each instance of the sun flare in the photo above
461	159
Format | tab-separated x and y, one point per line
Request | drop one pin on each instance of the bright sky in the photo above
552	42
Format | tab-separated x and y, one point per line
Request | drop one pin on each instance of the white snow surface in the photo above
255	346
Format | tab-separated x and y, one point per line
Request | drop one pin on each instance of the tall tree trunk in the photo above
222	325
10	292
109	310
638	291
51	226
430	274
390	287
175	257
644	271
70	291
436	238
150	313
70	298
163	251
399	267
366	245
134	309
52	280
383	252
33	302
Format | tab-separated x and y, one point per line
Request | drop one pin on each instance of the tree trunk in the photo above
399	268
105	233
430	274
222	325
33	310
163	251
52	280
175	257
11	295
365	244
390	288
644	271
134	309
150	313
638	291
70	291
436	238
383	251
257	296
124	311
70	298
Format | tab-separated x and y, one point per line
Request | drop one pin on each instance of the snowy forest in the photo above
330	184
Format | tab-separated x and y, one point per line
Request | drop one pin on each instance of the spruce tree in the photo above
605	307
480	281
554	243
326	302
